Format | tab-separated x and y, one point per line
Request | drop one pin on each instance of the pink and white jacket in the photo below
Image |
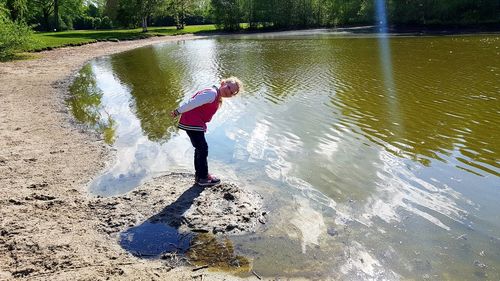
199	110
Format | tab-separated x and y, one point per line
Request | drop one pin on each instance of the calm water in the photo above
377	158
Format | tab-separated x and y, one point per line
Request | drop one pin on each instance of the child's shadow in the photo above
160	233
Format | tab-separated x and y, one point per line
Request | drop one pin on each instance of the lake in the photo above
377	156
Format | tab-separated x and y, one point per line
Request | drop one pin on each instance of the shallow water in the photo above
378	158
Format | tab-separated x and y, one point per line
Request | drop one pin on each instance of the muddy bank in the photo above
51	228
175	201
167	214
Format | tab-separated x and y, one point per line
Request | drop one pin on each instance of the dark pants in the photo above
200	153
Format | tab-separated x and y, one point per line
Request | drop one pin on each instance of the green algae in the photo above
217	254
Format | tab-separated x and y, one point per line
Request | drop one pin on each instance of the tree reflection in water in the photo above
86	104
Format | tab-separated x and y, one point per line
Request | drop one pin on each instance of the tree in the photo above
15	36
17	8
54	14
258	12
178	9
70	10
111	9
42	9
147	8
134	12
226	14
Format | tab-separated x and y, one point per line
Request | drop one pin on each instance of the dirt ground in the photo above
51	228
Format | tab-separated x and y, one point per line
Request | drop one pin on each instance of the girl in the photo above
195	114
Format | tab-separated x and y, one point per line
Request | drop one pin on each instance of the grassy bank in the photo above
48	40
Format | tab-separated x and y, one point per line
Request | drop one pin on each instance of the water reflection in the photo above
363	182
155	88
86	105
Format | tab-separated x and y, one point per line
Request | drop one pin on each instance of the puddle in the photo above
151	240
158	240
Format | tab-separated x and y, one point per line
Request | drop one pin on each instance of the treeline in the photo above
228	14
57	15
328	13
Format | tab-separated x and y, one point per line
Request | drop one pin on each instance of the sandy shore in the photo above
51	228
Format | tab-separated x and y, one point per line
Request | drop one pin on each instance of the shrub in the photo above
87	22
14	36
84	22
106	23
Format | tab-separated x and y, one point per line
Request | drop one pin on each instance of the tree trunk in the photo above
56	15
46	19
251	20
145	24
177	21
179	17
183	16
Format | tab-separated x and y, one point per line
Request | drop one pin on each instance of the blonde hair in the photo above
235	81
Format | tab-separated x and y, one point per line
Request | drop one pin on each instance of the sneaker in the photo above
209	181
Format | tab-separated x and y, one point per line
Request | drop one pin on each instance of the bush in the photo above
87	22
106	23
14	36
83	22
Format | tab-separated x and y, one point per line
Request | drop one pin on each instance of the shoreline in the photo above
408	30
51	226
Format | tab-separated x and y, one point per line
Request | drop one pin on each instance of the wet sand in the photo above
51	227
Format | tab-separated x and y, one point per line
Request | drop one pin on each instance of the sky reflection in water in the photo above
361	182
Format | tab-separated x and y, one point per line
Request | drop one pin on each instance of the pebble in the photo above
480	264
332	231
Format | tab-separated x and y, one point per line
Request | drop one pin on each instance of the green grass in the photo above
47	40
